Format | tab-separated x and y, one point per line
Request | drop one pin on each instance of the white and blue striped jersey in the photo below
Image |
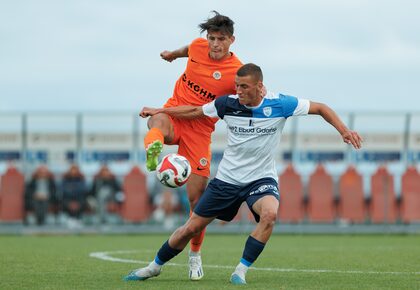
253	134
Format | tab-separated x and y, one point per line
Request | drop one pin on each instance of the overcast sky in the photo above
103	55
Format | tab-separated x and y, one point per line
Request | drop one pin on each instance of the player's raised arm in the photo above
180	112
148	112
349	136
174	54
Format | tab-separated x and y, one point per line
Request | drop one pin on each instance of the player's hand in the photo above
353	138
167	55
147	112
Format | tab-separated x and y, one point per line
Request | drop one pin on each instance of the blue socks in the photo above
166	253
253	249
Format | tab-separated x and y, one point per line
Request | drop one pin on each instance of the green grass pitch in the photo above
288	262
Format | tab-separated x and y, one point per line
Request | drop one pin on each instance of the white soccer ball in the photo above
173	170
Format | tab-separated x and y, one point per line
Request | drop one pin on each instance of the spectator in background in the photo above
105	191
40	193
167	205
74	192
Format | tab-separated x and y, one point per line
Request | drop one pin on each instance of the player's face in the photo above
248	90
219	44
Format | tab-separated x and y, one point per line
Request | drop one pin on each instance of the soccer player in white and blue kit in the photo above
247	172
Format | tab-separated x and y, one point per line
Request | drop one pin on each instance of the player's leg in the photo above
195	224
195	187
161	130
195	146
266	208
172	247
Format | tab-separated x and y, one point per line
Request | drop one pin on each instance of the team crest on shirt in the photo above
203	161
217	75
267	111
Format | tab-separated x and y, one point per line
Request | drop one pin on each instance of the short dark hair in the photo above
250	69
218	23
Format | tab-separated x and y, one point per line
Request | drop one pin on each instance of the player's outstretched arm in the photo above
180	112
349	136
148	112
172	55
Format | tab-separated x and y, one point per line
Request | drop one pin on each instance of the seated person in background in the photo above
74	192
40	193
167	205
105	192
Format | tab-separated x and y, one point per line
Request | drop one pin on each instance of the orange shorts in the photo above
193	139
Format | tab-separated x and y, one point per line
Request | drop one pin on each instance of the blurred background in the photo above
75	74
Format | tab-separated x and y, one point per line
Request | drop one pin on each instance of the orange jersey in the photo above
204	80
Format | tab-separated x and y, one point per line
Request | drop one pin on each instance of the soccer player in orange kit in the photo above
210	73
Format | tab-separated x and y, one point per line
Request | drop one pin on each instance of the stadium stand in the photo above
307	192
410	196
136	206
351	205
291	196
12	187
321	207
383	204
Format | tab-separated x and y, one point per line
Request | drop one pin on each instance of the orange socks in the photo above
153	135
195	243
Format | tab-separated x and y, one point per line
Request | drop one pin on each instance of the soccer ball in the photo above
174	170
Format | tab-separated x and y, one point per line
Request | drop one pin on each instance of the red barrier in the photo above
291	196
12	187
410	193
136	206
383	205
352	201
321	198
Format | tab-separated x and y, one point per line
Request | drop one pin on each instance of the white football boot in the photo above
196	269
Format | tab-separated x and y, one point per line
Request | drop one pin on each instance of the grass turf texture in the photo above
63	262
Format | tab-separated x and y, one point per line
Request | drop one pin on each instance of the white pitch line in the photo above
106	256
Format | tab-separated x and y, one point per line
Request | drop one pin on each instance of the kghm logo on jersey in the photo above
267	111
198	89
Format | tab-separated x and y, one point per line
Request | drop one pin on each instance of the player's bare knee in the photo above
192	230
268	218
185	232
158	121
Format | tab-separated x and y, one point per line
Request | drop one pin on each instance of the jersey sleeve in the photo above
293	106
302	107
217	108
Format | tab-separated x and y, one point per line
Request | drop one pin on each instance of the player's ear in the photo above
232	39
